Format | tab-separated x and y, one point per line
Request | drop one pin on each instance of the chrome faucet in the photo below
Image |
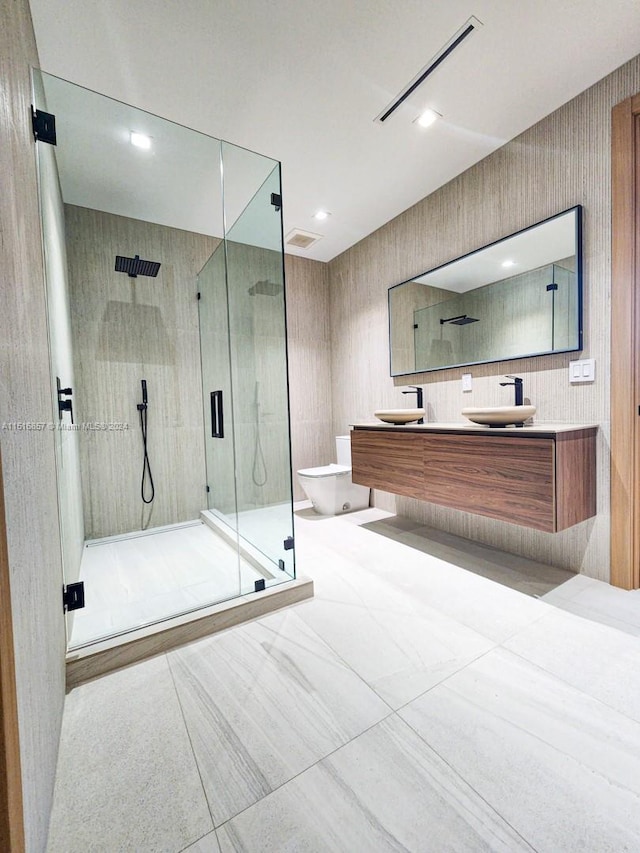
419	399
517	383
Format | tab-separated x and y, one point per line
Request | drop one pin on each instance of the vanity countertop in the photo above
540	428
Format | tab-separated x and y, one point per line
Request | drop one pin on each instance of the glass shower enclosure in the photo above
177	376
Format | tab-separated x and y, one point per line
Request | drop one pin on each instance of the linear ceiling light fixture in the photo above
455	41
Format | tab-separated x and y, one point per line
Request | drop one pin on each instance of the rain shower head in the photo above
135	266
265	288
461	320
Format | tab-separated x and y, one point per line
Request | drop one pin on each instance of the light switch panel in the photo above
582	371
467	382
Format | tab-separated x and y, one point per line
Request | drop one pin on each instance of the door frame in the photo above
625	346
11	808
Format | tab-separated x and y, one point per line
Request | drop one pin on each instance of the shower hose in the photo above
146	466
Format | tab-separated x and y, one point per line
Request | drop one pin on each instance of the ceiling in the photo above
302	82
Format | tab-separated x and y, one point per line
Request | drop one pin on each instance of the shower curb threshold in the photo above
101	658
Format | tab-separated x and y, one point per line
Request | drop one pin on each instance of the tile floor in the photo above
133	581
413	705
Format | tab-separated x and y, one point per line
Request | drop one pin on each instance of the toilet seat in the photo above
325	471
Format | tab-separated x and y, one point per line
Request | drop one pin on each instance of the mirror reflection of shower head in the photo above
136	266
265	288
460	320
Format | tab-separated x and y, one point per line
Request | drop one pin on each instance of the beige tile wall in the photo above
28	456
125	330
309	341
561	161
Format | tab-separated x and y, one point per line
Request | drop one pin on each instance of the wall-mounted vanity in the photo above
542	476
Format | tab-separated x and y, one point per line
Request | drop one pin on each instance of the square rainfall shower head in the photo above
135	266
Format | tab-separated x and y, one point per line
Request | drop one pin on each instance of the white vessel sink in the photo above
399	416
499	415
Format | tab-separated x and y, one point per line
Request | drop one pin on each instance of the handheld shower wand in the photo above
143	408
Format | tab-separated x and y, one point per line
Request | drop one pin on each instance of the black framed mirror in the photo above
518	297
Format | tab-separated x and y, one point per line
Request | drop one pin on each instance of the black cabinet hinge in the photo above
288	543
276	200
43	126
73	596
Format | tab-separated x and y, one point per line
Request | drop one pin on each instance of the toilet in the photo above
329	488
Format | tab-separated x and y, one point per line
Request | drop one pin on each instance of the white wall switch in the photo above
582	371
467	382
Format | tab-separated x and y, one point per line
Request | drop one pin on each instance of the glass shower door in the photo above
219	439
258	346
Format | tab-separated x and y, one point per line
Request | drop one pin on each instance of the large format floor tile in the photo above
596	659
264	702
348	554
512	570
562	768
521	728
127	779
599	602
400	651
385	791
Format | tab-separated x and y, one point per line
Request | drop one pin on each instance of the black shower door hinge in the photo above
208	489
73	596
288	543
43	126
199	295
276	200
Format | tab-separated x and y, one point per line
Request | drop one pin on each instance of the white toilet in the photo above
329	488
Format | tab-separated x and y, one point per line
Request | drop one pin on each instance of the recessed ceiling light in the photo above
140	140
508	263
321	214
427	118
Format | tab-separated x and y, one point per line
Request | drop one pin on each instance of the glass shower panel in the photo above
216	387
257	331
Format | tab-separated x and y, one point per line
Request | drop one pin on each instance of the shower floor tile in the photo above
138	581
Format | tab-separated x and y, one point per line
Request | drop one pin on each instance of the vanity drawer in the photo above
509	479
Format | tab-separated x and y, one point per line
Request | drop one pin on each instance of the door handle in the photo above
217	415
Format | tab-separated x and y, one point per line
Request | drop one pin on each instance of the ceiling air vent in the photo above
454	42
301	239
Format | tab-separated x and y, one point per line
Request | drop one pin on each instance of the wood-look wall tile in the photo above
561	161
126	330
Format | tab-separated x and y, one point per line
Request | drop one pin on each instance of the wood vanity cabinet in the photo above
544	480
